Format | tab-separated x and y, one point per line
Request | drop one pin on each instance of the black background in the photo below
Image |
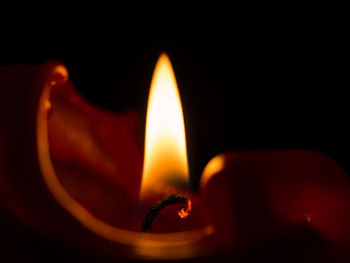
250	82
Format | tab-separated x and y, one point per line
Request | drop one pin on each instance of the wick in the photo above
168	200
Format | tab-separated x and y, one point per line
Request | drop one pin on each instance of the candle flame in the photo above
165	159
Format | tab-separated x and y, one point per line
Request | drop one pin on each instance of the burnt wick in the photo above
165	201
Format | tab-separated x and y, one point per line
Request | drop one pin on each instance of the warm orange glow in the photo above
185	212
215	165
165	160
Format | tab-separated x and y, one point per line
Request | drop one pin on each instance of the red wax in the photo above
260	194
245	198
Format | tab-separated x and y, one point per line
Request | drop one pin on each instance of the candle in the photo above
165	169
68	167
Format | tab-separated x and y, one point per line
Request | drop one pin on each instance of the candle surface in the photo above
80	176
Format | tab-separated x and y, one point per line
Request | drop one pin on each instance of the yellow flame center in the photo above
165	159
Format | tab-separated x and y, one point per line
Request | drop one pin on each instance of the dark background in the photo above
268	82
250	82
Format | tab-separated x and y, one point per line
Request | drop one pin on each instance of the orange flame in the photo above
165	159
185	212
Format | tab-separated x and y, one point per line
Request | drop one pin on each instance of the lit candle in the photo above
74	171
165	169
